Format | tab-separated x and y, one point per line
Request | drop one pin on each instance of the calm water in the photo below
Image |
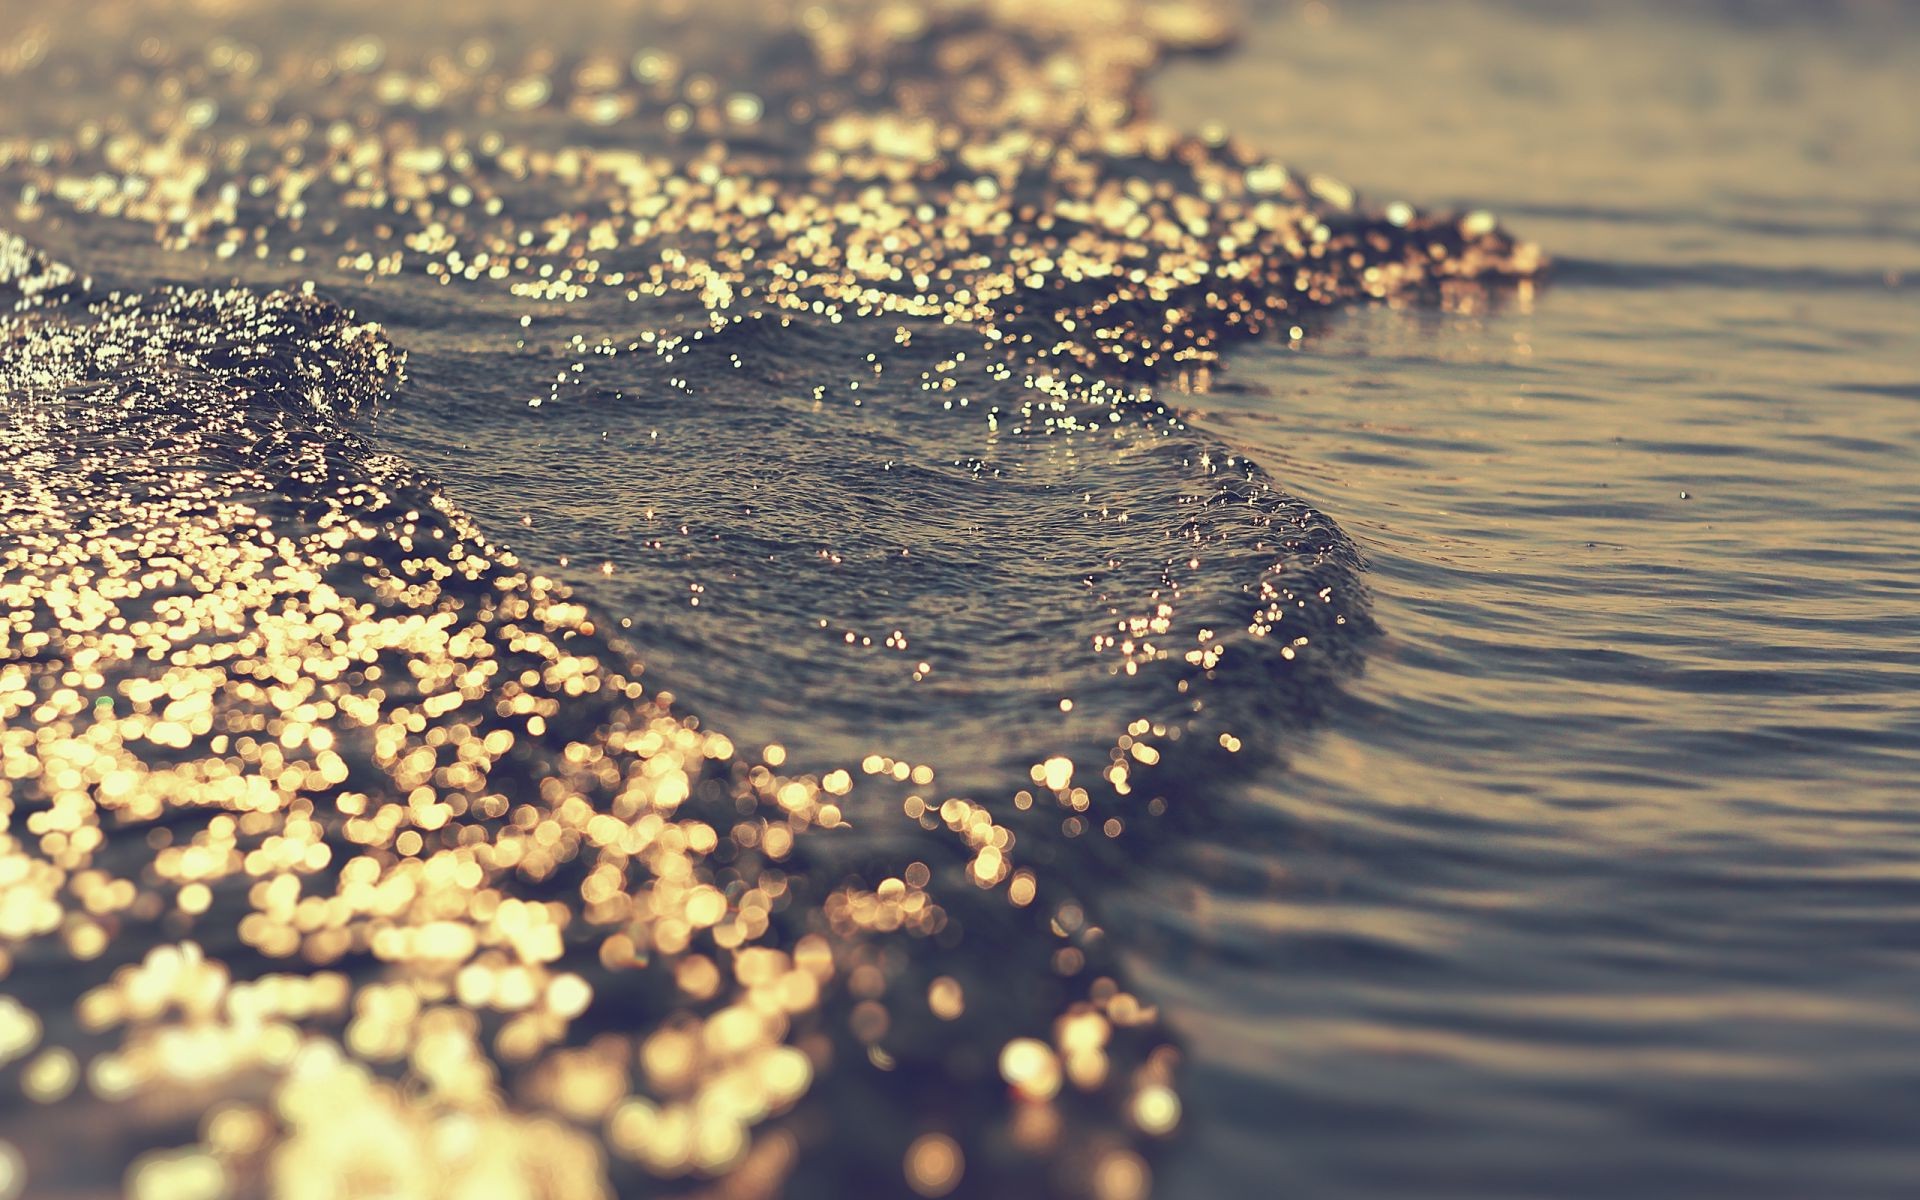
1511	697
1600	879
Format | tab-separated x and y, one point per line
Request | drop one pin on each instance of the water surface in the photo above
1456	745
1599	879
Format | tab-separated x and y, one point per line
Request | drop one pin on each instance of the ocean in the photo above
1079	600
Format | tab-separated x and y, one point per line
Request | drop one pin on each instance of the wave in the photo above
338	824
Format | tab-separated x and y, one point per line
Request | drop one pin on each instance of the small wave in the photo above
380	822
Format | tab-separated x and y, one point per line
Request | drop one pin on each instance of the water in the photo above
1487	712
1599	879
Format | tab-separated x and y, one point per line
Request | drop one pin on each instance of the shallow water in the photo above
1563	850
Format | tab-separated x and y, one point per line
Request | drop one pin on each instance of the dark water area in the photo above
1598	880
1457	741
